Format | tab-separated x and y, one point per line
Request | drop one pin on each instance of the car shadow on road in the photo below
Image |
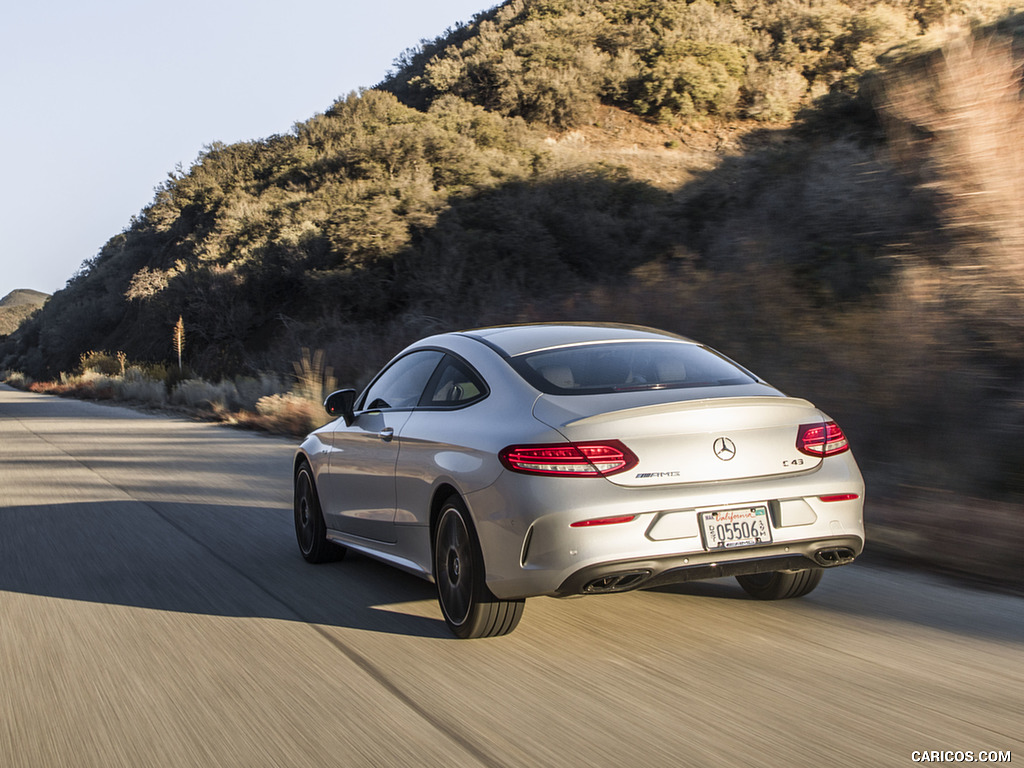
242	561
212	559
879	589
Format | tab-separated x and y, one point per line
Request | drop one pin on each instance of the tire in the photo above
310	528
780	585
469	608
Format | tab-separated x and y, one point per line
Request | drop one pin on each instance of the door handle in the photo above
386	434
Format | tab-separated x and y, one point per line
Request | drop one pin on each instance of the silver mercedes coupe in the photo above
566	459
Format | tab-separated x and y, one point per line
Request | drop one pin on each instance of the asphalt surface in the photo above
154	611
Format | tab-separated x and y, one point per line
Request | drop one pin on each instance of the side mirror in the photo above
341	403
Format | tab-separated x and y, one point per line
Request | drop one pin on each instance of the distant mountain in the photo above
18	305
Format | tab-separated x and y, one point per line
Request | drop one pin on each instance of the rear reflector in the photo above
603	521
592	459
823	439
841	497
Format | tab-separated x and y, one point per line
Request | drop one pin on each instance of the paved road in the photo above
154	611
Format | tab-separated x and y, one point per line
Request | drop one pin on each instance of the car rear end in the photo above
665	482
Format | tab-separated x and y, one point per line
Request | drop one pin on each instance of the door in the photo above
357	493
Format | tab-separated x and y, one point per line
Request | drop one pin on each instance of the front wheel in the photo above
469	608
310	528
780	585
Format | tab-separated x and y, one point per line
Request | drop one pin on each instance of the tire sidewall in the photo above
455	507
304	481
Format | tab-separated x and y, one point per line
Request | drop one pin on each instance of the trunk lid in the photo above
692	441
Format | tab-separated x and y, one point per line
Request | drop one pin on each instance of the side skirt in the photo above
382	551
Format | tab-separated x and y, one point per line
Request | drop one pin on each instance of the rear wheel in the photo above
469	608
780	585
310	529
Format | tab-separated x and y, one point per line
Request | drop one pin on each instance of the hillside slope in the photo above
18	305
637	161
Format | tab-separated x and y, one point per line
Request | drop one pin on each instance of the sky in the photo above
99	101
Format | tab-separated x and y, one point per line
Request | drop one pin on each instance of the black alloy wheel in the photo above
310	529
469	608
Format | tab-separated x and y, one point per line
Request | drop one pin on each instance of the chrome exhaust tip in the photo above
833	556
617	582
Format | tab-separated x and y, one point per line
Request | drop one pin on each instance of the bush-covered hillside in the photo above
556	61
636	161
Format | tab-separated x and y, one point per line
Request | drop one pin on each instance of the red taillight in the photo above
593	459
824	439
603	521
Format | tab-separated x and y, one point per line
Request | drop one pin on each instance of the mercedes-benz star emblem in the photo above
725	449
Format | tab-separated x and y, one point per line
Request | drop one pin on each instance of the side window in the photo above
402	384
454	383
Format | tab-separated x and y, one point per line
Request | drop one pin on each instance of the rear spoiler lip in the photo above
687	405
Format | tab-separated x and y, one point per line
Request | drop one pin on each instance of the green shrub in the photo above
99	362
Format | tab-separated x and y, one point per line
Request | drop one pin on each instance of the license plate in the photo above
729	528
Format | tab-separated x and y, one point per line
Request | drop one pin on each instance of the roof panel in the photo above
518	339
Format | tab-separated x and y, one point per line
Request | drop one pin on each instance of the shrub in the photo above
155	371
290	414
692	79
136	386
777	93
88	386
197	393
252	389
16	379
99	362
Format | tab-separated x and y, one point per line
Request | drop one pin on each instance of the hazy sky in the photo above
100	100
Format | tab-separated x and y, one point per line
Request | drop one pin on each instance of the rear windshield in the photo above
589	369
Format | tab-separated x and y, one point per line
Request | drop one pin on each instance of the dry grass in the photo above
16	379
134	386
86	386
289	414
315	379
266	402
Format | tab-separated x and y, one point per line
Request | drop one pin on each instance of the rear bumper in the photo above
627	575
530	548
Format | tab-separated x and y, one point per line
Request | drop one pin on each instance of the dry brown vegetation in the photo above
270	402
